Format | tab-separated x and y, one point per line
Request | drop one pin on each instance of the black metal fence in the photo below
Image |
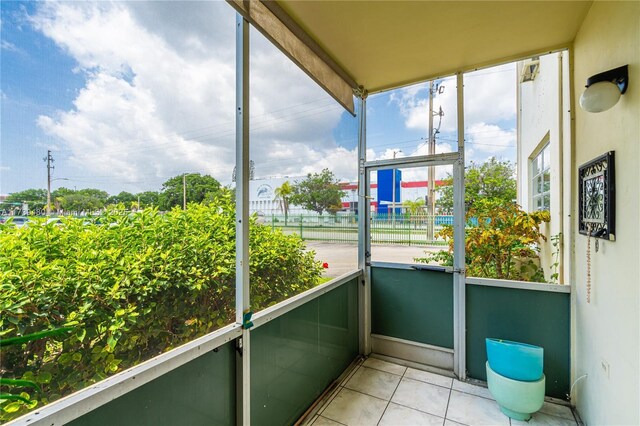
401	229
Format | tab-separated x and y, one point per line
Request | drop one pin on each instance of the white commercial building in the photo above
262	198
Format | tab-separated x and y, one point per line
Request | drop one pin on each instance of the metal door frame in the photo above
457	160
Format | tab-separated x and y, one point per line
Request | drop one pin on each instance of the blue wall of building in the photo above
385	190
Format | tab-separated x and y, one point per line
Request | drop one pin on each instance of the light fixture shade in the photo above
600	96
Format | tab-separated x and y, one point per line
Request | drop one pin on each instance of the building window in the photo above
541	180
530	69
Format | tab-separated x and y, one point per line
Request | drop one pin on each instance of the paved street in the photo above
343	258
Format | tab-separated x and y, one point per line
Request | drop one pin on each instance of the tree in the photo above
199	187
123	197
491	180
318	192
57	196
35	198
87	200
148	198
97	194
283	195
61	192
415	208
79	202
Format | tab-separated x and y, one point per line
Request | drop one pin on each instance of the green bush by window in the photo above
501	241
131	286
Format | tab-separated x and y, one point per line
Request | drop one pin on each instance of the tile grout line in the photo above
418	410
384	371
558	417
391	397
330	399
448	401
337	390
429	383
350	375
362	393
368	394
327	418
404	376
472	394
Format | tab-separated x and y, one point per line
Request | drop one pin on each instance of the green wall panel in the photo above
536	317
415	305
296	356
201	392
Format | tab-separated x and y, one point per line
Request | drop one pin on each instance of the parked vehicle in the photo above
18	221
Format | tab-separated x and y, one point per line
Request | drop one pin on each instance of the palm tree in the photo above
415	208
283	195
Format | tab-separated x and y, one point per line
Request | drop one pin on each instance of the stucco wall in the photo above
607	331
541	114
538	123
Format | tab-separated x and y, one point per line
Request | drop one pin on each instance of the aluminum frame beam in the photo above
408	162
459	295
364	236
243	383
65	410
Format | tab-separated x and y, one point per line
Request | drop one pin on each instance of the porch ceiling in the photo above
388	44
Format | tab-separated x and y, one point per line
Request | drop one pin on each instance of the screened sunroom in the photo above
387	324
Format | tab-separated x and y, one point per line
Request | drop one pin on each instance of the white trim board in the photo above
519	285
292	303
428	355
88	399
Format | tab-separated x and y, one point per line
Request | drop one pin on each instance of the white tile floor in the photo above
381	393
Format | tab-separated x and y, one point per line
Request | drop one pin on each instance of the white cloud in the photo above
159	97
490	100
6	45
488	140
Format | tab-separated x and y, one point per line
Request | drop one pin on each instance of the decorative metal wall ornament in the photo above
597	201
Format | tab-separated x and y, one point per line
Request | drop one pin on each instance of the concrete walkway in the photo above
343	258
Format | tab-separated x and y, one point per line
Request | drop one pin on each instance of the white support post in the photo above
364	236
243	384
459	317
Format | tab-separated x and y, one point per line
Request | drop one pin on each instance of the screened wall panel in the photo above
201	392
295	357
414	305
539	318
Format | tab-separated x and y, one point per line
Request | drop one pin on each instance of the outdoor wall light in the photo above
604	89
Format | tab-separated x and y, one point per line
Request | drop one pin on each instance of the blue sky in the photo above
127	95
36	79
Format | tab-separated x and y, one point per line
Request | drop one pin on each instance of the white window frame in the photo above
535	189
530	69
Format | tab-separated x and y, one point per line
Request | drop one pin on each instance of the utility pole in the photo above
431	199
184	191
49	160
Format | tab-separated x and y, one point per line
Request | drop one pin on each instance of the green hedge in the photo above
132	286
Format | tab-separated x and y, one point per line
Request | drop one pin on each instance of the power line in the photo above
191	134
259	125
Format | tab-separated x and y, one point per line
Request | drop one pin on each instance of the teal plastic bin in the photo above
515	360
